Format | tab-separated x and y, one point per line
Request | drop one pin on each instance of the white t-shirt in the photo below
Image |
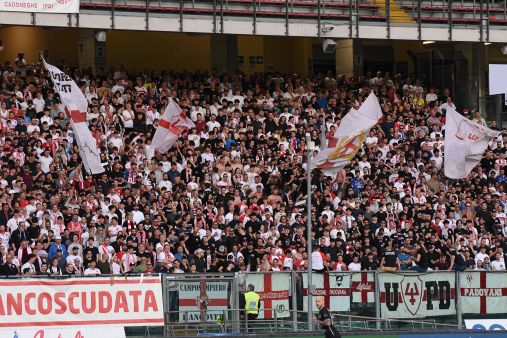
354	266
92	272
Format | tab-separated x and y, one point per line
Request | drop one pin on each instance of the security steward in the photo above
325	320
252	305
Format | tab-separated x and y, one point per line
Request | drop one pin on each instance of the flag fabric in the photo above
170	127
464	145
349	137
76	106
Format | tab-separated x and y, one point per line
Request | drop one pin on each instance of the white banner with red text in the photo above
203	298
334	287
64	332
85	301
273	288
417	295
40	6
483	292
362	287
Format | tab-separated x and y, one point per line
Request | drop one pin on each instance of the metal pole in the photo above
309	228
377	300
323	143
294	301
459	314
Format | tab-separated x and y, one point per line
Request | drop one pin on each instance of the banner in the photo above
82	301
335	287
465	143
363	287
76	107
486	324
208	298
349	137
65	332
40	6
483	292
417	295
273	288
170	127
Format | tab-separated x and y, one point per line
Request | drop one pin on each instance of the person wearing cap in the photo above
57	245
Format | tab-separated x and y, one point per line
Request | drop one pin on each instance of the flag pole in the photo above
309	228
323	140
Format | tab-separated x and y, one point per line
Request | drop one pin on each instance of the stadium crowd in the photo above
230	194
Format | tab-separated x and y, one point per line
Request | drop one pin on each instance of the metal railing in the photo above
296	322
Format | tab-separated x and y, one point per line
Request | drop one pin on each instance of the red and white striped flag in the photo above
170	127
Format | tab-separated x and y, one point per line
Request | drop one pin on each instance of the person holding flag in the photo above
76	108
349	137
465	143
170	127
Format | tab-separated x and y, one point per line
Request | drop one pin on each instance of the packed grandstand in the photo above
230	194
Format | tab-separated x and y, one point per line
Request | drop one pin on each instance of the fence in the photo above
362	300
212	303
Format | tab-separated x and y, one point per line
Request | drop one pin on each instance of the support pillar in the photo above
224	52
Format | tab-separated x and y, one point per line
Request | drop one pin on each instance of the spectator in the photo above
227	195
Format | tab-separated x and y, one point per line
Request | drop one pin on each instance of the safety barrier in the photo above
359	300
213	302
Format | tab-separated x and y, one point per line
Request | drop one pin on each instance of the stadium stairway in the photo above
398	15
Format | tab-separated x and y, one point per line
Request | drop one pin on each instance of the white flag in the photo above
170	127
465	143
349	137
76	107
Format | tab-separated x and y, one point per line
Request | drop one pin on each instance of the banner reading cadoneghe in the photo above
40	6
417	295
81	302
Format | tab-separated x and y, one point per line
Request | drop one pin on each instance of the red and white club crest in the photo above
412	293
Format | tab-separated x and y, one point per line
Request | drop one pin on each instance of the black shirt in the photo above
325	315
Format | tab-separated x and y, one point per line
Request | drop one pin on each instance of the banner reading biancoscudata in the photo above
417	295
40	6
81	302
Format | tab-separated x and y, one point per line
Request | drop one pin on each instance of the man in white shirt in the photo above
45	161
481	254
74	257
498	264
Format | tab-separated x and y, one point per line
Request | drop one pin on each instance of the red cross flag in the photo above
335	287
204	297
483	292
172	124
349	137
76	107
273	288
363	287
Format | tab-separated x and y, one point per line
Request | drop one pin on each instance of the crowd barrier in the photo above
356	299
375	294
